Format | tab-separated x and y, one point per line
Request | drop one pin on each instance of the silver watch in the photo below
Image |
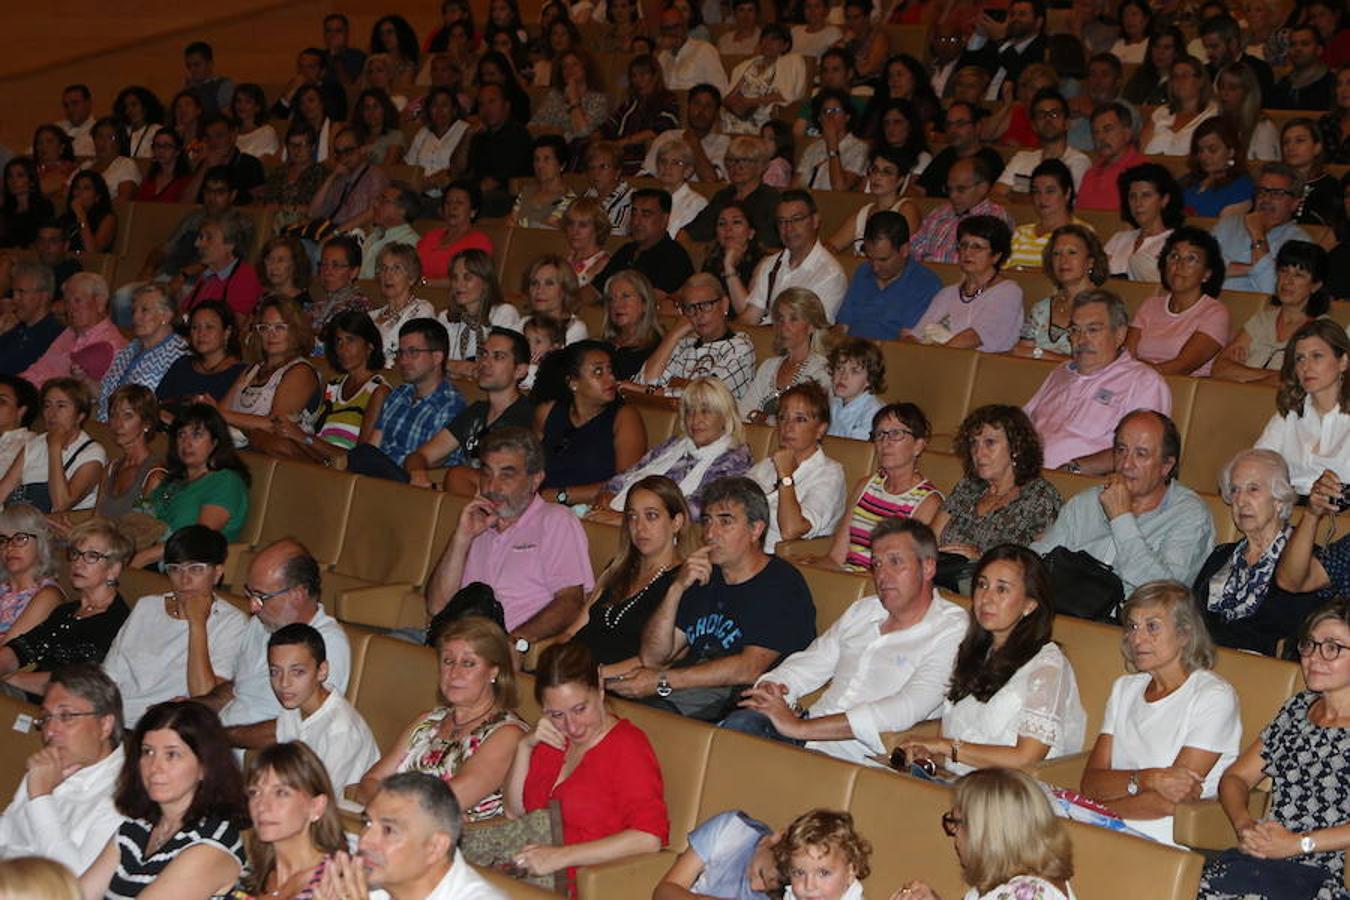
663	688
1132	786
522	645
1306	844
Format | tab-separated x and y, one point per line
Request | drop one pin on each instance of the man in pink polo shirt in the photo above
1077	407
86	348
531	553
1113	135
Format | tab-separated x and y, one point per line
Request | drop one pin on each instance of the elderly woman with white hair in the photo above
397	275
154	347
28	586
1236	589
799	330
710	444
1171	726
674	168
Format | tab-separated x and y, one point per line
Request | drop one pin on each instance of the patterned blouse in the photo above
875	504
13	603
427	752
1021	521
339	421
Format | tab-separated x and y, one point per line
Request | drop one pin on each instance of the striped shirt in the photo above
875	504
407	422
135	870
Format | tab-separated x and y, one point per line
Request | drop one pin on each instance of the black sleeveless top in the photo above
575	455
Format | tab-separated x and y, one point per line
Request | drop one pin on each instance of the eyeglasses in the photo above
195	569
950	822
695	309
60	718
793	220
1275	192
1328	650
975	246
256	596
889	435
875	169
740	160
1093	330
1048	114
832	111
89	556
270	327
18	539
1183	259
394	269
343	151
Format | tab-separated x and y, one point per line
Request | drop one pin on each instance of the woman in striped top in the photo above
183	799
898	489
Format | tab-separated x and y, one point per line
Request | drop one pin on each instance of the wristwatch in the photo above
786	481
663	688
1132	786
956	749
1306	844
522	645
561	496
1260	244
831	154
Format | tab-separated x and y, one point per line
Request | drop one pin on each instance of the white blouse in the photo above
1039	701
821	492
1138	265
1310	442
74	455
389	323
503	315
261	141
685	205
1168	141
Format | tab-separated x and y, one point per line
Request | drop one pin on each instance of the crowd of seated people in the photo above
390	326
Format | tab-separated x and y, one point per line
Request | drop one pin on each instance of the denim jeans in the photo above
753	722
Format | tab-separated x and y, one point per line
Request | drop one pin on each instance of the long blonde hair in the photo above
1010	830
36	878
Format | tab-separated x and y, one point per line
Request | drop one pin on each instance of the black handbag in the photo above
954	572
1083	585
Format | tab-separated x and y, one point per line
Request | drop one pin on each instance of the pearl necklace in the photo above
613	613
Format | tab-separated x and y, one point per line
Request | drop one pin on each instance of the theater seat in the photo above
887	806
306	502
682	747
602	541
22	740
388	537
398	682
833	591
1227	417
859	458
937	379
513	889
1003	378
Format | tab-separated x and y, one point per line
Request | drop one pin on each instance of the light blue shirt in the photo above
854	419
726	844
1236	244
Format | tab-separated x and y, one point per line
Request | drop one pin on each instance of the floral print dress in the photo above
430	753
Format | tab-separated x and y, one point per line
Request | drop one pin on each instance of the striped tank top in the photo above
875	504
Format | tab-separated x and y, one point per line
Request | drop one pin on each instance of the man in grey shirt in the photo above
1141	522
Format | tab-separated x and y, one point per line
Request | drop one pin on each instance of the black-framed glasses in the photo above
702	306
18	539
950	822
1275	192
256	596
60	718
887	435
1328	650
89	556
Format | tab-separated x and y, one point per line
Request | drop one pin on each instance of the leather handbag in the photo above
1084	586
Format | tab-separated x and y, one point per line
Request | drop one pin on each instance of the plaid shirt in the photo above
731	358
407	422
935	240
136	364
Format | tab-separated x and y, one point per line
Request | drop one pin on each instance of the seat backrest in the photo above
389	532
937	379
358	637
1227	417
398	681
1093	649
886	805
682	747
527	245
762	337
753	774
833	591
859	458
1110	864
21	740
602	541
1183	402
1068	483
309	503
761	439
1262	684
1225	529
659	420
943	469
260	468
1001	378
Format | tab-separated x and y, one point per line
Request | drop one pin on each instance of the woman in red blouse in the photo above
600	768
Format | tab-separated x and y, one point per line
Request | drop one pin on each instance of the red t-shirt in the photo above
172	193
436	259
617	786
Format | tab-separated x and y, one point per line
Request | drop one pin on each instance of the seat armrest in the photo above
1203	825
1064	771
635	876
800	549
387	606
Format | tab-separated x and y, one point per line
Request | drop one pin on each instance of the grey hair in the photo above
158	290
1285	170
433	797
236	229
93	282
46	279
925	542
22	517
1280	487
742	490
521	440
89	682
752	146
677	148
1178	600
407	255
1119	312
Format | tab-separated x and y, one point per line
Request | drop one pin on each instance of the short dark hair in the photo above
472	189
1122	112
520	348
907	414
300	634
1111	59
1055	168
660	195
409	204
1051	94
992	229
840	96
1312	259
199	48
80	88
433	797
864	352
555	143
196	543
1037	7
1196	237
888	225
223	455
741	490
358	324
438	339
705	88
1171	437
25	396
301	570
220	792
89	682
1225	26
1163	181
349	245
521	440
798	195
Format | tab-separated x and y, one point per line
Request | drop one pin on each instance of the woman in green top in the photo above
207	482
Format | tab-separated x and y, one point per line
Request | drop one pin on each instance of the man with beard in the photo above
283	587
533	554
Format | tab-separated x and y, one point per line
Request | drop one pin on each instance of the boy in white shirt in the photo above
298	665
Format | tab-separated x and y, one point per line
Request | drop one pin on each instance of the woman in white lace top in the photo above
1013	700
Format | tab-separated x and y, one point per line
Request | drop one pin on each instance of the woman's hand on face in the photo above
545	732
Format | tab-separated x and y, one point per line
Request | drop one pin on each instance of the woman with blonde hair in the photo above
398	274
36	878
710	444
1007	838
1239	97
281	381
29	590
586	228
550	286
631	323
470	740
799	330
1172	725
296	826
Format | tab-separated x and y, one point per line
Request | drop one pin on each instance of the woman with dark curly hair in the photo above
89	222
1013	699
141	113
1151	201
394	36
1181	331
183	797
1002	497
55	156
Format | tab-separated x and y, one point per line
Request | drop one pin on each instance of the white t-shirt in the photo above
1039	701
253	698
75	454
819	272
1203	713
1017	174
461	882
714	143
814	166
814	44
389	325
433	153
1166	139
148	658
120	170
11	442
685	204
820	486
337	734
261	141
1138	265
696	62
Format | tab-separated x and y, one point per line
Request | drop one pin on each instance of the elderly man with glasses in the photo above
1251	241
703	344
803	262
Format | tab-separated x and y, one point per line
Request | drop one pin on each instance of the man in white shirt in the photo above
803	262
312	712
702	113
1050	121
283	586
78	103
886	660
158	655
64	808
407	847
686	61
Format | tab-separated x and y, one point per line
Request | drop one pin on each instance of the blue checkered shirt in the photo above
407	422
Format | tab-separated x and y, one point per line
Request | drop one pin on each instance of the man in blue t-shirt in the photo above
731	613
890	291
730	856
